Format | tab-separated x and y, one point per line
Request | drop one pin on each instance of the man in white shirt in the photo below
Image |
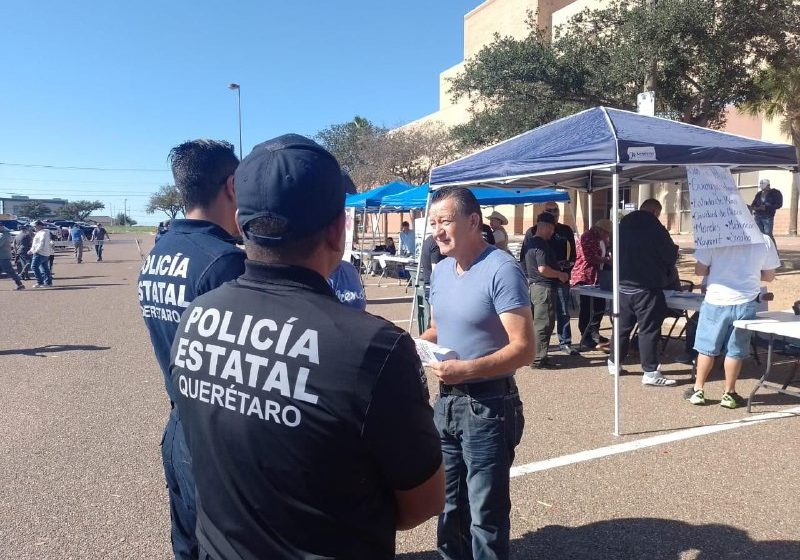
41	249
734	276
407	240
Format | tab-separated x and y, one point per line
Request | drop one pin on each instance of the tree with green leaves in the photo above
122	219
703	56
358	146
34	210
79	210
374	155
168	199
777	97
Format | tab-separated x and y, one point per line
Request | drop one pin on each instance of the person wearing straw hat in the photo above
496	222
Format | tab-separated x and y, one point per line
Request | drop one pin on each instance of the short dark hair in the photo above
295	250
201	168
405	223
466	203
650	205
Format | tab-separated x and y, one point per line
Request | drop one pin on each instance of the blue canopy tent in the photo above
418	197
371	200
602	148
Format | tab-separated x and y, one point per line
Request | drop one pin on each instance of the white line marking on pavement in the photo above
400	321
644	443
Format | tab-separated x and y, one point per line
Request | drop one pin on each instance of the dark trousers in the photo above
24	265
590	317
543	305
563	300
648	308
180	483
8	268
479	434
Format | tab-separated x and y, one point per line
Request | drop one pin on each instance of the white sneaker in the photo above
611	369
655	378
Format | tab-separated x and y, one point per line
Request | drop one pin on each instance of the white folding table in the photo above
773	324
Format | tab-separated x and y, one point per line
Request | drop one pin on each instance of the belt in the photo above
490	388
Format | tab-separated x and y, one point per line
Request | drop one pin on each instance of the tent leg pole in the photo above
590	204
615	294
419	262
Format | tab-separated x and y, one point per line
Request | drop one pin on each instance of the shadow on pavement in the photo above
81	286
641	539
40	351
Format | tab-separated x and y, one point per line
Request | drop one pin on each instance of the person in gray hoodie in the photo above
5	257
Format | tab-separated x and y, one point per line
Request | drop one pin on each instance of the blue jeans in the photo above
180	483
40	264
765	223
478	439
563	301
98	249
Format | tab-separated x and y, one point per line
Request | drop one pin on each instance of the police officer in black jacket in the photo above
194	256
647	257
306	420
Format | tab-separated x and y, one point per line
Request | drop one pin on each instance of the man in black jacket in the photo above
646	257
764	205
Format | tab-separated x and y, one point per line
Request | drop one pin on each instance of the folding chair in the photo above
676	315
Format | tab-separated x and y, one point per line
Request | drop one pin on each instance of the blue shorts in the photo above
715	330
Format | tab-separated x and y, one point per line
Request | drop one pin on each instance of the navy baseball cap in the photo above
293	179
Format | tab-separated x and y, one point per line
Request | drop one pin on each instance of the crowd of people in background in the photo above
32	250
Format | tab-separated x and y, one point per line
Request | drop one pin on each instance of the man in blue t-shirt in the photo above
481	309
347	286
197	255
77	236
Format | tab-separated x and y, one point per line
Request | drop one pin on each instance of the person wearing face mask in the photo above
764	205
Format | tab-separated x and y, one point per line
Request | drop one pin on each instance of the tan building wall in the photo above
509	18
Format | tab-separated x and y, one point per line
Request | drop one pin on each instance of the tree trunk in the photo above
795	191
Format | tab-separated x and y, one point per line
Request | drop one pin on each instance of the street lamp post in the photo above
238	90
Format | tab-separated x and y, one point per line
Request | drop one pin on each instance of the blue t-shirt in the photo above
347	286
467	308
193	258
76	235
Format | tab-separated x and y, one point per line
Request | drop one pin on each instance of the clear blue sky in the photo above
117	84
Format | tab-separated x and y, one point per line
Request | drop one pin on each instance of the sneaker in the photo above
695	396
603	340
732	400
656	379
39	286
622	371
588	344
544	363
568	350
21	287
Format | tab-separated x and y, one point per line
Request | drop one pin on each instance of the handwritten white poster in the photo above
419	224
349	229
719	215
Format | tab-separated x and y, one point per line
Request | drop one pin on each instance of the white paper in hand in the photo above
430	353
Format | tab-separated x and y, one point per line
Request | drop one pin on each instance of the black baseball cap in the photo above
546	218
291	178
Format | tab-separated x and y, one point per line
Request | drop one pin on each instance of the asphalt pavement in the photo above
83	409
